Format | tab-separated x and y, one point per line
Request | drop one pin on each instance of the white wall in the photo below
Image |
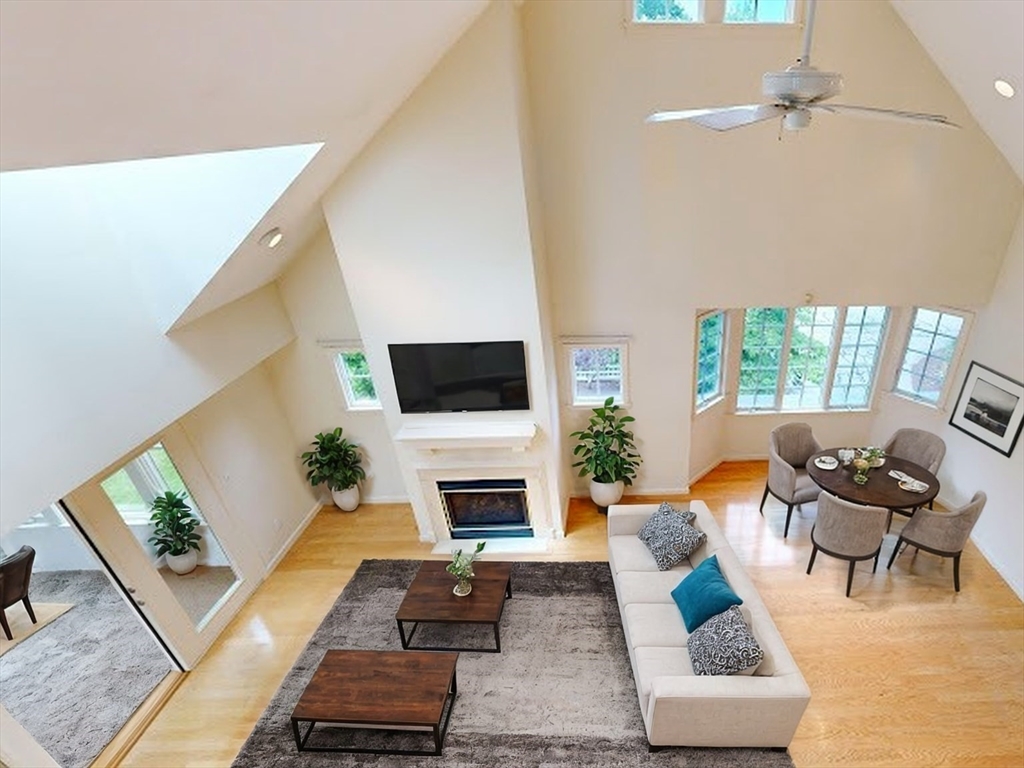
970	465
432	232
647	223
87	373
317	301
244	441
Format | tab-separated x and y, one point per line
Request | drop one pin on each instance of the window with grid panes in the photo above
758	11
710	353
764	334
857	361
930	347
356	381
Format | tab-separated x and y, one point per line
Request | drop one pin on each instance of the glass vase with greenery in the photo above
605	447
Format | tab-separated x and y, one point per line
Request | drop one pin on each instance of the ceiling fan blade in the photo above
723	118
885	114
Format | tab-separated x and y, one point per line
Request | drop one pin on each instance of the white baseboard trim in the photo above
286	547
694	478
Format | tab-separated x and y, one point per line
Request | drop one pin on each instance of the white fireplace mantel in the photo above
513	435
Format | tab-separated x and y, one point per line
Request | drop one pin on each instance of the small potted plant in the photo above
337	463
461	567
174	531
606	451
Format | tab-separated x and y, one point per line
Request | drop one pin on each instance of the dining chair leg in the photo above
3	623
895	551
789	514
764	498
814	553
874	568
28	607
956	571
849	577
888	523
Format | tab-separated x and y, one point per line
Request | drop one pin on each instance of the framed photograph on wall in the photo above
990	408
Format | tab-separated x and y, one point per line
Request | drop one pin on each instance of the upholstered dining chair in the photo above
789	448
942	533
919	446
848	531
15	572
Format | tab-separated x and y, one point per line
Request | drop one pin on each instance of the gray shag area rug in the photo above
560	693
74	683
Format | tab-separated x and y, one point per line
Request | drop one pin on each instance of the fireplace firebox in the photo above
482	509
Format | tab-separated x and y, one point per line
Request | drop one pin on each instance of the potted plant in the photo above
461	567
606	451
174	531
338	463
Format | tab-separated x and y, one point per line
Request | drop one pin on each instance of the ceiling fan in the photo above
793	95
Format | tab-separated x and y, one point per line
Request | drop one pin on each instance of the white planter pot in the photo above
182	564
346	500
606	494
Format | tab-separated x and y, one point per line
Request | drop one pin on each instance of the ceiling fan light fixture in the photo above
1004	89
272	238
796	119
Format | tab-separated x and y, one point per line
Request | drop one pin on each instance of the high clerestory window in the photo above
702	11
809	358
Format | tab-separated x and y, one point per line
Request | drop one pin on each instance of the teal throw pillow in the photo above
704	593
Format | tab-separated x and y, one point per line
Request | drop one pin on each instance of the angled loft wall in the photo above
87	372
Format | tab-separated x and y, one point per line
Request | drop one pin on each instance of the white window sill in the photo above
590	405
816	411
708	405
366	407
916	400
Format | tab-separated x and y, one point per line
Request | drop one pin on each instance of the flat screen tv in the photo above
469	376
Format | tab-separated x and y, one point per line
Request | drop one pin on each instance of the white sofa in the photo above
680	708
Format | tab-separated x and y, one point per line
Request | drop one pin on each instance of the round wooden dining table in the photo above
881	489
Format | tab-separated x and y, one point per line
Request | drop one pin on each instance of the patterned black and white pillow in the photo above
686	514
724	645
670	538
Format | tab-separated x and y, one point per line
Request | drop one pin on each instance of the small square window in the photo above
668	11
758	12
597	372
356	381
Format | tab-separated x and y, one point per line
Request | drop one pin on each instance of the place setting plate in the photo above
826	462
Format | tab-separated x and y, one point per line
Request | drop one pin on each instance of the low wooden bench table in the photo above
429	600
387	690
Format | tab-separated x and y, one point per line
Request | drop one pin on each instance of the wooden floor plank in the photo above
904	672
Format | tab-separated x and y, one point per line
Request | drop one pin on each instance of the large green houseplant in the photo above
174	531
606	451
337	463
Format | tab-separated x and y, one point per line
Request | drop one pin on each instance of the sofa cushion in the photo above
724	645
650	586
669	537
654	624
628	553
704	593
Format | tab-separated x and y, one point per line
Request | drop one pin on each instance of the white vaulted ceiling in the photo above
973	42
90	81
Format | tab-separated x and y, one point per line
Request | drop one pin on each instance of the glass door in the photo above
188	603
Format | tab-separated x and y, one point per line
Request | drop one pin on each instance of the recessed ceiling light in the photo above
1003	88
272	238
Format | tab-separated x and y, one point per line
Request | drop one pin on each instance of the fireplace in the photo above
481	509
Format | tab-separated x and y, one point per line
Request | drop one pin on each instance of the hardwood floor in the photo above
904	672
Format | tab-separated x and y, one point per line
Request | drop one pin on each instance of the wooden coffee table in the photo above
429	600
385	690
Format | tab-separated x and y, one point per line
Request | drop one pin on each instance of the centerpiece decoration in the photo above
461	567
867	459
